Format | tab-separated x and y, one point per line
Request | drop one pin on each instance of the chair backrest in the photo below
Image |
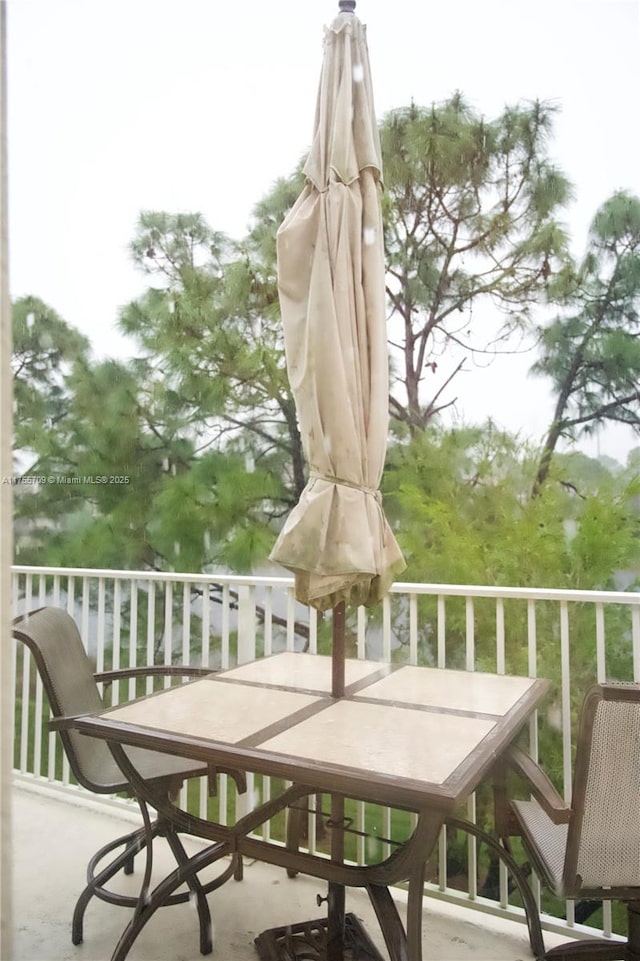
603	844
67	677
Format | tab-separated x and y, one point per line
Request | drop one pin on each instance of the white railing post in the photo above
246	625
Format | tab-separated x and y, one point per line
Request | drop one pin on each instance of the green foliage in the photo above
211	333
460	506
202	515
196	437
462	514
45	349
469	218
591	351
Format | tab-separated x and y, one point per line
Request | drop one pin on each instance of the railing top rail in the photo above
518	593
99	573
400	587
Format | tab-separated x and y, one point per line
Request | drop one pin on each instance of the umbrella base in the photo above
308	940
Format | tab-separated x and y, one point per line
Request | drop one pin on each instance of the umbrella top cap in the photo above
347	6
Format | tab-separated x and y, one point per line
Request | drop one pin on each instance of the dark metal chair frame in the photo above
554	833
52	637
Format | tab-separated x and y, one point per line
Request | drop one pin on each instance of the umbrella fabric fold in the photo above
331	281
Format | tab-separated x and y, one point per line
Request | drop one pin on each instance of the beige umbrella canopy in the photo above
331	281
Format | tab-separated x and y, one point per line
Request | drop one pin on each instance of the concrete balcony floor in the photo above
54	836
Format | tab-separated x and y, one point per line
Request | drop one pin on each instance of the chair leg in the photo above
589	950
151	901
601	950
530	907
194	885
133	843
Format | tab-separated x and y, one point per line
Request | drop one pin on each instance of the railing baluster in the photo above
441	629
268	622
313	630
186	623
205	653
635	635
168	628
185	659
566	699
15	592
312	823
361	632
266	796
100	626
361	852
28	592
442	860
225	628
42	591
500	638
247	624
71	595
115	643
223	795
472	852
151	632
37	732
291	617
133	635
386	831
413	629
386	629
470	663
532	667
26	701
470	639
601	668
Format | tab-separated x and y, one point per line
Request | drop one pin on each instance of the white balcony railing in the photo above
127	618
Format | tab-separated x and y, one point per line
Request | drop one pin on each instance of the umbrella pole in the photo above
336	892
337	647
336	898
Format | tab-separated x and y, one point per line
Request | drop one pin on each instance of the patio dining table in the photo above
415	738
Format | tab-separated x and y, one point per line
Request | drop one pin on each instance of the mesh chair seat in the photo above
150	765
547	839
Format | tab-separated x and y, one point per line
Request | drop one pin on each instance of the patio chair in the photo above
71	688
590	849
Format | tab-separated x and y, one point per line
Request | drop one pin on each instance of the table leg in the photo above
389	921
415	906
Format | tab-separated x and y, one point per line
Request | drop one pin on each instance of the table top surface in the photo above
402	735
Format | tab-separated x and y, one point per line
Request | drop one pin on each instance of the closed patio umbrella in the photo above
331	281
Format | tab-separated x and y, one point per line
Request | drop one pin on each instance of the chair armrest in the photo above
64	722
541	787
162	670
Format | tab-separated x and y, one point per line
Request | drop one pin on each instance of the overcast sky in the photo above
199	105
